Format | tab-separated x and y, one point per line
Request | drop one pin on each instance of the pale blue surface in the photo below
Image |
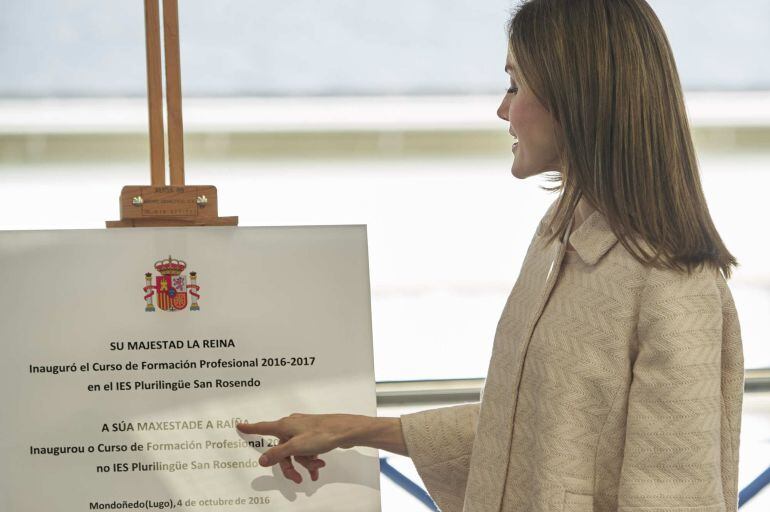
334	47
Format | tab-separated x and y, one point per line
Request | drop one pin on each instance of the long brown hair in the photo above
605	71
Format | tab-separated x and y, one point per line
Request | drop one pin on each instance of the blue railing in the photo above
406	484
754	487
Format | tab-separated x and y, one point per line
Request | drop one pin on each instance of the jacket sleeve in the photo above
439	441
677	425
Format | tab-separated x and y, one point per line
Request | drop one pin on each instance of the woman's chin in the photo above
520	171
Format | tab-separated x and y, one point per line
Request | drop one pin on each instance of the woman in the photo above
616	378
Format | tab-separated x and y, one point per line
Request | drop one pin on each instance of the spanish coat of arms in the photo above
171	287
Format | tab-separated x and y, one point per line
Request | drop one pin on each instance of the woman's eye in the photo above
512	90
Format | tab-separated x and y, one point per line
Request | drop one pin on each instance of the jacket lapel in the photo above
592	239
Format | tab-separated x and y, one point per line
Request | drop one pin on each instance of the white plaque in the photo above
128	356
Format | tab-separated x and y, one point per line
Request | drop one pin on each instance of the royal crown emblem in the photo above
171	286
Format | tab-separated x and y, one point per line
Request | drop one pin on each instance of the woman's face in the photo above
534	127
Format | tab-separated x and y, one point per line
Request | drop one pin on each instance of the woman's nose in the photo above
502	110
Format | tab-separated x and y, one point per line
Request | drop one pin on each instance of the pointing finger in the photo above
265	428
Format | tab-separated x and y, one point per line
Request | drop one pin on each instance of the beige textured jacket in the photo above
612	387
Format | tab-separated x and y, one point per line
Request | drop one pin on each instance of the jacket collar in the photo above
592	239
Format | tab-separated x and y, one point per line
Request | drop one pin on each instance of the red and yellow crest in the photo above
171	287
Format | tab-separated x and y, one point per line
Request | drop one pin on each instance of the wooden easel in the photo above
160	204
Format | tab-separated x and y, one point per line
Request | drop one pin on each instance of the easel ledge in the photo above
151	206
156	223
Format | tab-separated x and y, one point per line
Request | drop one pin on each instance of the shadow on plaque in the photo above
346	464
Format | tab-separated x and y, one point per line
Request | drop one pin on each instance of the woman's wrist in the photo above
373	432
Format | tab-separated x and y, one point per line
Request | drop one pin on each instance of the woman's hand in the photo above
305	436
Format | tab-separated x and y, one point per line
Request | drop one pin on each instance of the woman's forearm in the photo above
380	433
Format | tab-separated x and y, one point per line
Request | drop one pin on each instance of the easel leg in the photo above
154	92
173	92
